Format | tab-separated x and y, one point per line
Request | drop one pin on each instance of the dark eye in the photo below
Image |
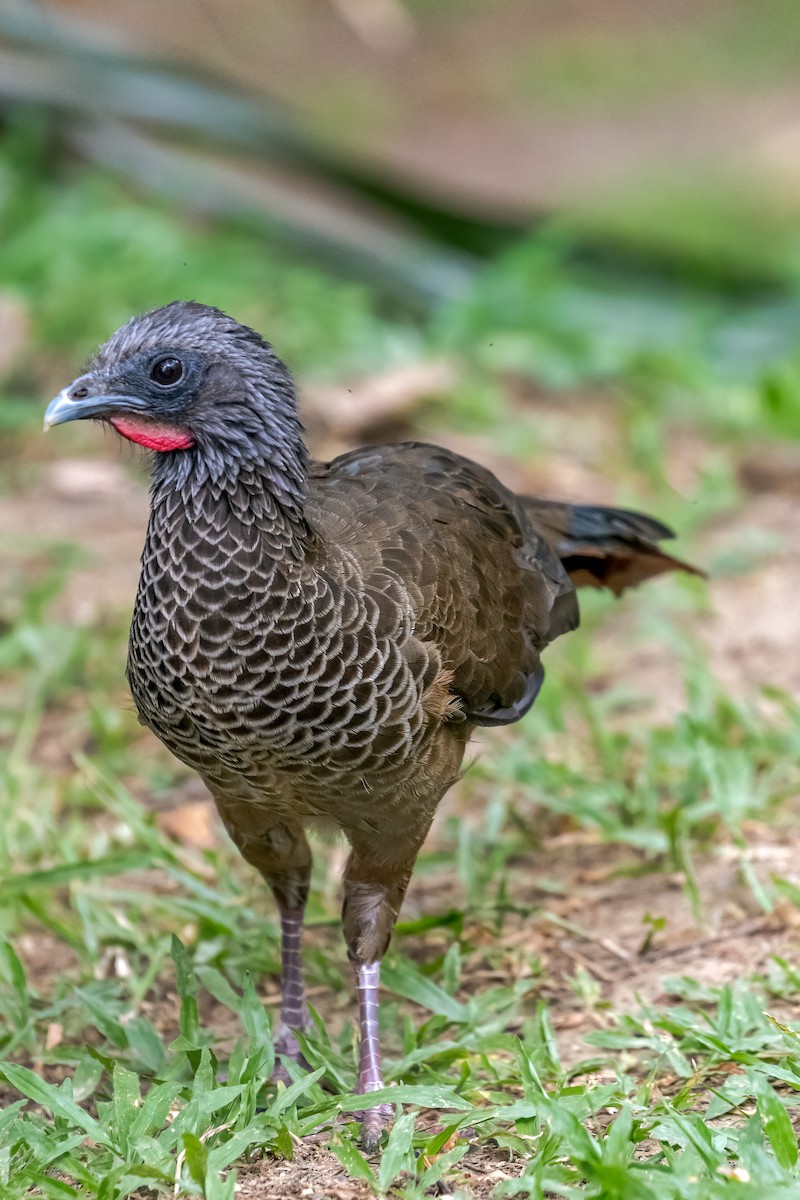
166	371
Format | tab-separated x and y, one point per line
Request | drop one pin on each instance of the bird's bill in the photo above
65	407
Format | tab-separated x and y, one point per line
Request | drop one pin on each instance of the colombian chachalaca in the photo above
319	640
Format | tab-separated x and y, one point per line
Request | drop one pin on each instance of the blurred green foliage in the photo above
85	255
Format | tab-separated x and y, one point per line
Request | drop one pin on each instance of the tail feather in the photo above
602	547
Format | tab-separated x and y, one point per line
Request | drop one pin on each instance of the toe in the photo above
280	1075
285	1042
373	1123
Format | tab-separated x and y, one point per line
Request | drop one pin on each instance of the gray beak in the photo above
82	400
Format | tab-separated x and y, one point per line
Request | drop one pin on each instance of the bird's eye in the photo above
166	371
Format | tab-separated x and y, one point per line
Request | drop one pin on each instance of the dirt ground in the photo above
595	922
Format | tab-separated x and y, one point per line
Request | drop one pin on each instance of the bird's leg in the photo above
374	887
294	1014
368	977
282	854
289	884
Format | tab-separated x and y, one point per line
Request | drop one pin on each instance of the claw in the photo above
373	1123
286	1042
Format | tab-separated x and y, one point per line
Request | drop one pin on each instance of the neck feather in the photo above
251	447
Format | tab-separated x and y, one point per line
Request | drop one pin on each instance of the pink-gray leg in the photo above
282	855
374	887
370	1078
369	1054
294	1014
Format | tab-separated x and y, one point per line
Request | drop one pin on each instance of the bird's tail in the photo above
603	547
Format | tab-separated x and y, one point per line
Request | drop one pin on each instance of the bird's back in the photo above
485	588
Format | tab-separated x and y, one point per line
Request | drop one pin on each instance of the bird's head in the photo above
190	383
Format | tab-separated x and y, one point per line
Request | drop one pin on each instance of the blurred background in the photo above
561	237
550	193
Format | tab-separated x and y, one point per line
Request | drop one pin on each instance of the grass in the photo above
119	1103
109	1077
136	1049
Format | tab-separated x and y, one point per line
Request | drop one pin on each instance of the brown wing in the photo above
485	587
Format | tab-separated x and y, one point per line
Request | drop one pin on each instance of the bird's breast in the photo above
315	672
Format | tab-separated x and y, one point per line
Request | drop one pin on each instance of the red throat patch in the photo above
152	434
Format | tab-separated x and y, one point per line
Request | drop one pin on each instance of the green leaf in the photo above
104	1020
57	1101
398	1155
48	1147
425	1095
139	1179
286	1098
256	1021
451	969
434	1145
127	1098
353	1160
204	1076
185	978
217	1188
231	1150
445	1162
257	1066
12	968
186	983
58	1189
145	1042
617	1146
282	1143
151	1157
777	1126
60	876
196	1157
530	1076
403	978
108	1189
237	1064
216	983
219	1097
88	1074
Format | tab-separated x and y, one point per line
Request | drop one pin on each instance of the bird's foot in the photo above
373	1123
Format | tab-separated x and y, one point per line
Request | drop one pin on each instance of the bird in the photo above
318	640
